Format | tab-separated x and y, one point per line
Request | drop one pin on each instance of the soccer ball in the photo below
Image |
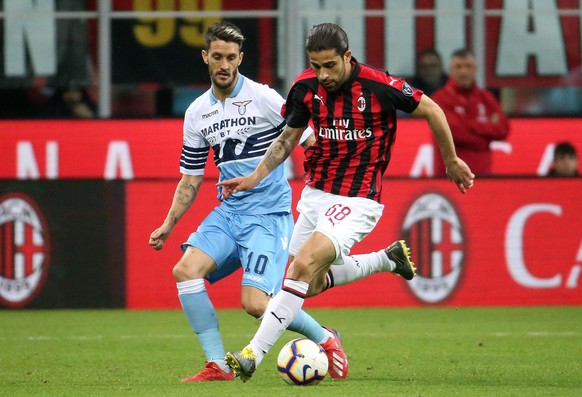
302	362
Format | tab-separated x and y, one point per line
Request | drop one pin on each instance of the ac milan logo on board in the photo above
24	250
434	231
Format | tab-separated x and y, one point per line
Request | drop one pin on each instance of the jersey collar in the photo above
355	72
235	91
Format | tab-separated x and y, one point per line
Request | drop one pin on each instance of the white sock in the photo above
357	267
326	336
223	365
191	286
280	312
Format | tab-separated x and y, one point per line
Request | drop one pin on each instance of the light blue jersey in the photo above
250	229
239	130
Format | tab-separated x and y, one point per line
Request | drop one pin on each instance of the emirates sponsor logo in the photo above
435	232
340	131
24	250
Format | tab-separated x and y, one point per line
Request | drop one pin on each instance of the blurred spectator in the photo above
565	162
474	114
70	102
430	74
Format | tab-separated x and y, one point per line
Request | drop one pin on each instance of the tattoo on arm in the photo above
279	151
173	217
185	195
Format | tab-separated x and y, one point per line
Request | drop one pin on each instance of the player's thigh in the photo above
303	228
347	221
193	264
314	257
344	220
214	240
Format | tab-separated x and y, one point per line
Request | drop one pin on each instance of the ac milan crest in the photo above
434	230
361	103
24	250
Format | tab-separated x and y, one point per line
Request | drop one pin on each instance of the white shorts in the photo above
344	220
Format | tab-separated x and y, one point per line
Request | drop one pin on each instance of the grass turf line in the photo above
396	352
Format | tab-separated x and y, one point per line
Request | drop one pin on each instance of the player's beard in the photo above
223	84
337	83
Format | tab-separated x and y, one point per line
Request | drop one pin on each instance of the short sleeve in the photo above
401	94
295	110
272	104
195	149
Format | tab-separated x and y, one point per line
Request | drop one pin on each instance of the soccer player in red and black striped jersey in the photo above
352	109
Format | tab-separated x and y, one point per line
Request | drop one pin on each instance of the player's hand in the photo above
158	237
460	174
235	185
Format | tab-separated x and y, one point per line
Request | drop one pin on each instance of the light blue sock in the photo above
306	325
202	317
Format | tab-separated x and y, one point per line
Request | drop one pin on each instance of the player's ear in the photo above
240	58
204	56
348	56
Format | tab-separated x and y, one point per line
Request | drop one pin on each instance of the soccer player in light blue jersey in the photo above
239	119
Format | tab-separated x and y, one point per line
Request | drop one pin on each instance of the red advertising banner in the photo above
471	250
120	149
145	149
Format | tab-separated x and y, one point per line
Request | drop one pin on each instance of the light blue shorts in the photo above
258	243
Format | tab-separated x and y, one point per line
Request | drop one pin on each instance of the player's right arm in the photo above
184	196
457	170
275	156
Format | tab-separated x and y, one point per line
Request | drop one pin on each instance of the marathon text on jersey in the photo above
229	123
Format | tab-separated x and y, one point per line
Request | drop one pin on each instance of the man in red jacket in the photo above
474	115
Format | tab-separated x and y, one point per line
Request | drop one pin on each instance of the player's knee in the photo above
189	269
255	309
179	272
184	271
302	268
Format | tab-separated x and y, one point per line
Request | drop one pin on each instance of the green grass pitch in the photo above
393	352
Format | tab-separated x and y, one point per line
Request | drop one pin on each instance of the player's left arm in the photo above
184	195
457	170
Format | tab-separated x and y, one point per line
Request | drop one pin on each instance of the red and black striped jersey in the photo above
354	128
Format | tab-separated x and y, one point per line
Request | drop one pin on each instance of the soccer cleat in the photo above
242	363
400	254
210	373
336	357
